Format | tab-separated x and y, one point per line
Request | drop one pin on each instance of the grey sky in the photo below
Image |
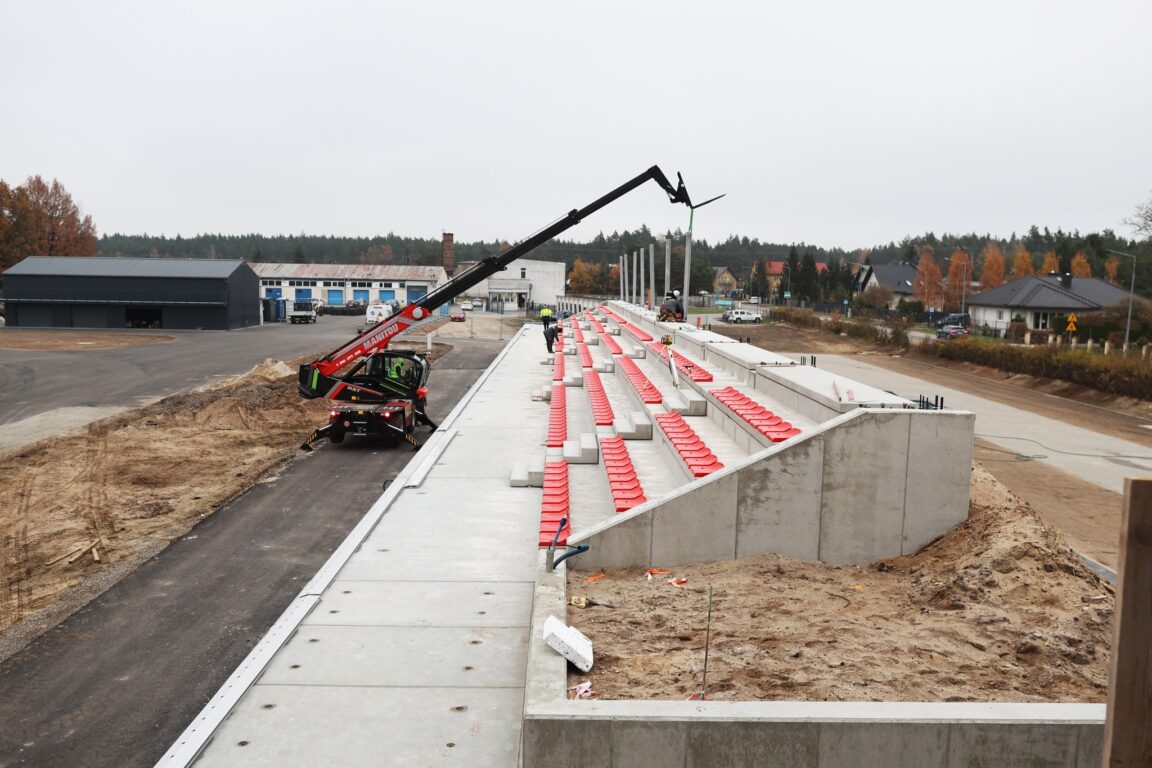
836	123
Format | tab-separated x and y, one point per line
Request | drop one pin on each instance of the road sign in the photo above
1071	322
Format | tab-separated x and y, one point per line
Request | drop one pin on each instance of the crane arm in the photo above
317	378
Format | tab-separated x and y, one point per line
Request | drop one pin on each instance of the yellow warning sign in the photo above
1071	322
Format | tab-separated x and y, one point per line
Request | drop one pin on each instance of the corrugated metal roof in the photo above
390	272
1034	292
107	266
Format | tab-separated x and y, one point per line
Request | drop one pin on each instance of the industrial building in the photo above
338	284
104	292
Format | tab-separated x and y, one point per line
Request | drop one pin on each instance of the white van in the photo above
377	312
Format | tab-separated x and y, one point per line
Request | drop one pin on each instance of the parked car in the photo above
951	332
457	316
741	316
962	319
466	306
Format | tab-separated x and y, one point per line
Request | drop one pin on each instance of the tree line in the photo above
40	218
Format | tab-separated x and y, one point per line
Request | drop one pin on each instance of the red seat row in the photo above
577	334
647	390
585	355
558	417
554	506
693	452
598	399
622	480
610	344
763	420
687	368
636	331
558	363
596	324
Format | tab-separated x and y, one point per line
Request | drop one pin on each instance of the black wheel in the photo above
335	437
737	320
757	320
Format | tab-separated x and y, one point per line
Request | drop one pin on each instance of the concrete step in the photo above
634	426
584	450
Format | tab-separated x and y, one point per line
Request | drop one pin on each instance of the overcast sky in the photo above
834	123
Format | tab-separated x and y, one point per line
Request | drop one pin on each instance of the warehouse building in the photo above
99	292
338	284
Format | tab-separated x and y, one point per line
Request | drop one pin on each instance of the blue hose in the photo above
579	550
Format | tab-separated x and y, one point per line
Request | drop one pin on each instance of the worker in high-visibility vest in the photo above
546	316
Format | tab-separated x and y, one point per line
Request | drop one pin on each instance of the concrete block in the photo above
847	744
787	745
592	339
634	426
570	350
686	401
1089	745
569	642
607	366
536	472
519	477
583	450
936	498
697	525
778	502
575	379
614	330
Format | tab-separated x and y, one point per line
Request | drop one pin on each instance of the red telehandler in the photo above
384	391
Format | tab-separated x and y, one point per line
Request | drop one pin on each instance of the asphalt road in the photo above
34	382
116	683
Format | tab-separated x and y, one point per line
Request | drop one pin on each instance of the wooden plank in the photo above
83	549
1128	732
75	551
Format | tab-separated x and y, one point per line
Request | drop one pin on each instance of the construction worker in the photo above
671	310
546	316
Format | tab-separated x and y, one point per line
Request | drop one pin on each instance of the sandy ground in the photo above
998	610
46	339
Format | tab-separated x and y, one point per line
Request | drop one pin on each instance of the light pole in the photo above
1131	291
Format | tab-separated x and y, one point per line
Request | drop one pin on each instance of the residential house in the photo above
724	282
898	278
1040	300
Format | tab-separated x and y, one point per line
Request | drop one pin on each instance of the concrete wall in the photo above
865	486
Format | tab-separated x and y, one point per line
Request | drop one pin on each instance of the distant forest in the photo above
738	254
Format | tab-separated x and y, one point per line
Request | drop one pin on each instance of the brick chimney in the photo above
448	254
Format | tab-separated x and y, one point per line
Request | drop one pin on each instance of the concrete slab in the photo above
858	461
779	502
290	726
936	499
457	657
424	604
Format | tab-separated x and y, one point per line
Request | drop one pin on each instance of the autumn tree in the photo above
992	273
582	278
1022	264
1051	263
927	285
959	274
1112	268
58	227
1081	267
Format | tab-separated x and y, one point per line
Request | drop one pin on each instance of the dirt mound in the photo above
999	609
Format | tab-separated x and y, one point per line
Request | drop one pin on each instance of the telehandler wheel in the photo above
335	437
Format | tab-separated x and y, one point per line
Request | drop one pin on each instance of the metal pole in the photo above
652	274
640	282
667	266
687	271
622	290
1131	291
